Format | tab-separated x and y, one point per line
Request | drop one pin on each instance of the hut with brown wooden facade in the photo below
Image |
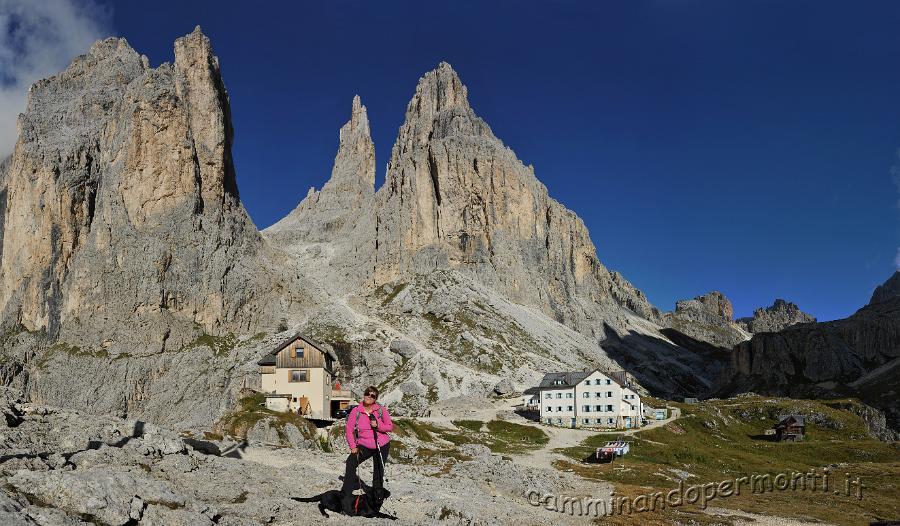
298	376
791	428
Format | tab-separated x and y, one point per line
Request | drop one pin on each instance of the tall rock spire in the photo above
331	213
198	83
456	197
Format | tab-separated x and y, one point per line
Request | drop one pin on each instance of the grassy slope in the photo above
499	436
718	440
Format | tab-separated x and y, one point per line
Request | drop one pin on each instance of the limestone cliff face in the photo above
456	197
122	217
857	356
780	315
707	318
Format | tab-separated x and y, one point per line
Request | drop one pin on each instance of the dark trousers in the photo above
351	481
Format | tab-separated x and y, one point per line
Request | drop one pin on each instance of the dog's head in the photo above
379	495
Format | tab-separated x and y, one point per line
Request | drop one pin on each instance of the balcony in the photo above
341	393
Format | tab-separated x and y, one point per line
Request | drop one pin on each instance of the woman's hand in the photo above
354	451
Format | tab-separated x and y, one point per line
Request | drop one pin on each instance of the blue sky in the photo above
741	147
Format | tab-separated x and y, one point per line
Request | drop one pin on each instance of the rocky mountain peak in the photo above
121	220
775	318
354	165
456	197
359	119
712	304
438	109
887	290
439	90
333	211
198	82
113	47
707	318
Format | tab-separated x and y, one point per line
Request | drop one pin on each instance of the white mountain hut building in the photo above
594	399
531	399
298	376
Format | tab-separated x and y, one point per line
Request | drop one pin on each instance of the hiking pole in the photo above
381	459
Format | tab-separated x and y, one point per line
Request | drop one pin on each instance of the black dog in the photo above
367	505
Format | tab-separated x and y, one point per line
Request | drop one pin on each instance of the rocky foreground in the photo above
60	467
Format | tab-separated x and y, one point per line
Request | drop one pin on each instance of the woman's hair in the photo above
372	389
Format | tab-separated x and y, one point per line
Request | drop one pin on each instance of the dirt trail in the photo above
560	437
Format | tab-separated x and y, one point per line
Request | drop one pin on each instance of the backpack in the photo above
356	423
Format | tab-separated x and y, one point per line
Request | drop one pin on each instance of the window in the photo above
598	394
568	408
609	394
609	408
586	395
559	409
559	395
568	395
298	352
586	421
598	408
608	381
599	421
549	420
549	409
586	408
549	395
300	375
611	421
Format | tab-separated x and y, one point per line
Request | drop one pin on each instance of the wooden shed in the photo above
790	428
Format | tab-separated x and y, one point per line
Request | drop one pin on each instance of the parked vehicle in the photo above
599	457
608	453
618	448
343	413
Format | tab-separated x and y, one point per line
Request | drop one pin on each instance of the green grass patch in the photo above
500	436
723	440
220	345
408	427
251	409
71	350
397	290
471	425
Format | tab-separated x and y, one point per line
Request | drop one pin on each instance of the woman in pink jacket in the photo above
367	430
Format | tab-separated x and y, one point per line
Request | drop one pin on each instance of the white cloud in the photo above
37	39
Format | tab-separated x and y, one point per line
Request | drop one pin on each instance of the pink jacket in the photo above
367	436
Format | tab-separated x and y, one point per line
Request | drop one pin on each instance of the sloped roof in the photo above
532	390
786	421
269	359
572	378
569	379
